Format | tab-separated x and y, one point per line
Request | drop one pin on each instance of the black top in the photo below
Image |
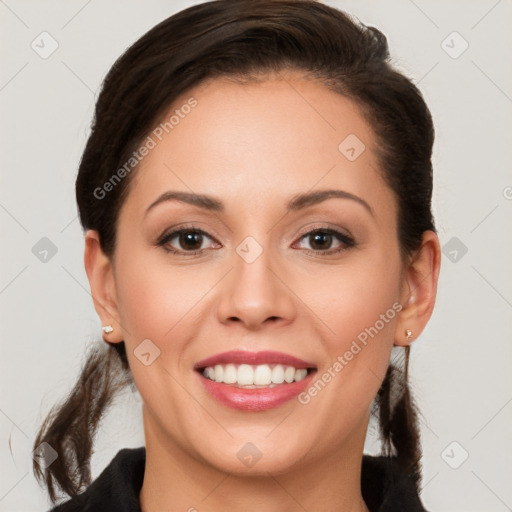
385	487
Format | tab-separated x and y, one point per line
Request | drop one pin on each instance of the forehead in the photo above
260	143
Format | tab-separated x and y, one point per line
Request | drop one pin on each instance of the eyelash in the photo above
345	239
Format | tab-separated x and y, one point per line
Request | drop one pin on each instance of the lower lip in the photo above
255	399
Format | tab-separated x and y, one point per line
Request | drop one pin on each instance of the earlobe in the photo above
419	289
101	281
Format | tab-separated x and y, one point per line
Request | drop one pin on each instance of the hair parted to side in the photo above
243	40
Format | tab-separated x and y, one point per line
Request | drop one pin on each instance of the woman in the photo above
228	143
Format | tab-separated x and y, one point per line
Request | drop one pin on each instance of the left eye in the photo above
321	237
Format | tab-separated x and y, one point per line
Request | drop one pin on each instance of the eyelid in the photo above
324	226
175	230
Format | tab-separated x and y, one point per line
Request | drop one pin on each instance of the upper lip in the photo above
253	358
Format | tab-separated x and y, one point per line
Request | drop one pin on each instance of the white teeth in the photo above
262	375
278	374
257	375
289	374
245	375
209	373
300	374
219	373
230	374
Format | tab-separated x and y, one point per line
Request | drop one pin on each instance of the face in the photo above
269	280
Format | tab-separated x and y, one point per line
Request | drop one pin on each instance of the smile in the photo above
254	381
263	375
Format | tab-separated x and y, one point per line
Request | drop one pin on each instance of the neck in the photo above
175	481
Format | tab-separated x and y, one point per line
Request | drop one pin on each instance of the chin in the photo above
255	458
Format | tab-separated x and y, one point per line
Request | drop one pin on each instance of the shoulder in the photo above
115	489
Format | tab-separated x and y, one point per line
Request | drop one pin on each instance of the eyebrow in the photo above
297	202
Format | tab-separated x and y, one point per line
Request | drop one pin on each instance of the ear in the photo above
101	280
419	289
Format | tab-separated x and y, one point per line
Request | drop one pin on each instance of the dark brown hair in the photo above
243	40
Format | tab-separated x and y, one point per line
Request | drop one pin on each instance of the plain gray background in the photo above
461	364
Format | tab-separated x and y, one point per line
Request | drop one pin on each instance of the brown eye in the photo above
188	241
321	241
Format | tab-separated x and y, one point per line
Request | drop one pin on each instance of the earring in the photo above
408	334
107	329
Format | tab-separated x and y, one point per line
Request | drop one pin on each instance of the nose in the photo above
256	294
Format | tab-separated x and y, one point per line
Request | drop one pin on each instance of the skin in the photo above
254	146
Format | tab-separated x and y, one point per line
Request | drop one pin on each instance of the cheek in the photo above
141	303
359	306
154	297
353	298
165	305
156	303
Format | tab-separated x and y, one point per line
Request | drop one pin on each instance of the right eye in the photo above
191	238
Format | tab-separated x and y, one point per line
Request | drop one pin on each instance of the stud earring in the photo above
408	334
107	329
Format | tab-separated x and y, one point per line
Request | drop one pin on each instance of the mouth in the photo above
255	376
254	381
